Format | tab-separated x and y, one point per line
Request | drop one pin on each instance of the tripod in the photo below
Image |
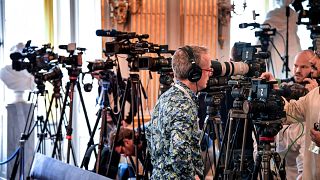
56	97
228	167
212	124
29	128
134	87
105	107
263	159
238	115
73	73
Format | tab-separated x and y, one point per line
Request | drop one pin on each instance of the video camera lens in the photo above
101	65
52	74
229	68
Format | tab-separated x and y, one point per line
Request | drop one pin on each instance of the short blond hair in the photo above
181	63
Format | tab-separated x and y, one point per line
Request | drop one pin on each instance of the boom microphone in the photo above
108	33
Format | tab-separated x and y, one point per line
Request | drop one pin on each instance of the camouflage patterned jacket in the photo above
173	136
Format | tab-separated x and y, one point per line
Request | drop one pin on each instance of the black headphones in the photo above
195	72
87	86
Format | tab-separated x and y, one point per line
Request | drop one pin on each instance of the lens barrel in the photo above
229	68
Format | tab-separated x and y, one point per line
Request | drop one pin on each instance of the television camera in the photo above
122	45
249	62
264	34
38	62
72	62
265	107
313	24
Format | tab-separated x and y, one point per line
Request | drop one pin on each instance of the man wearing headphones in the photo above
173	133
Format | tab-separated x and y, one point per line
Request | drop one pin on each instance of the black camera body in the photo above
312	14
97	65
32	59
123	43
265	107
72	62
39	64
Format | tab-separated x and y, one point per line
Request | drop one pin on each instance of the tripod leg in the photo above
44	126
84	108
280	166
243	143
73	155
227	152
15	167
102	138
69	127
256	167
59	129
85	160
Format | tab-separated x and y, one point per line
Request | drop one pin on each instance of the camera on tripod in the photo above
313	24
265	107
72	62
251	64
33	59
39	63
97	65
263	34
122	44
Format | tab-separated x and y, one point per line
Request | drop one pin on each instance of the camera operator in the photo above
125	145
296	85
307	109
173	133
302	75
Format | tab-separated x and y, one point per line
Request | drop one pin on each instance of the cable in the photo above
11	157
300	135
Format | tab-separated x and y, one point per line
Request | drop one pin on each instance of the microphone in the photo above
63	46
25	49
108	33
16	56
245	25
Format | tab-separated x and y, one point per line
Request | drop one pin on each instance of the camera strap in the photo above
184	91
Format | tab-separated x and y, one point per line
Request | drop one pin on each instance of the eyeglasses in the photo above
208	70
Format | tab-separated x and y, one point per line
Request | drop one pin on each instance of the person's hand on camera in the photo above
311	83
315	136
269	77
